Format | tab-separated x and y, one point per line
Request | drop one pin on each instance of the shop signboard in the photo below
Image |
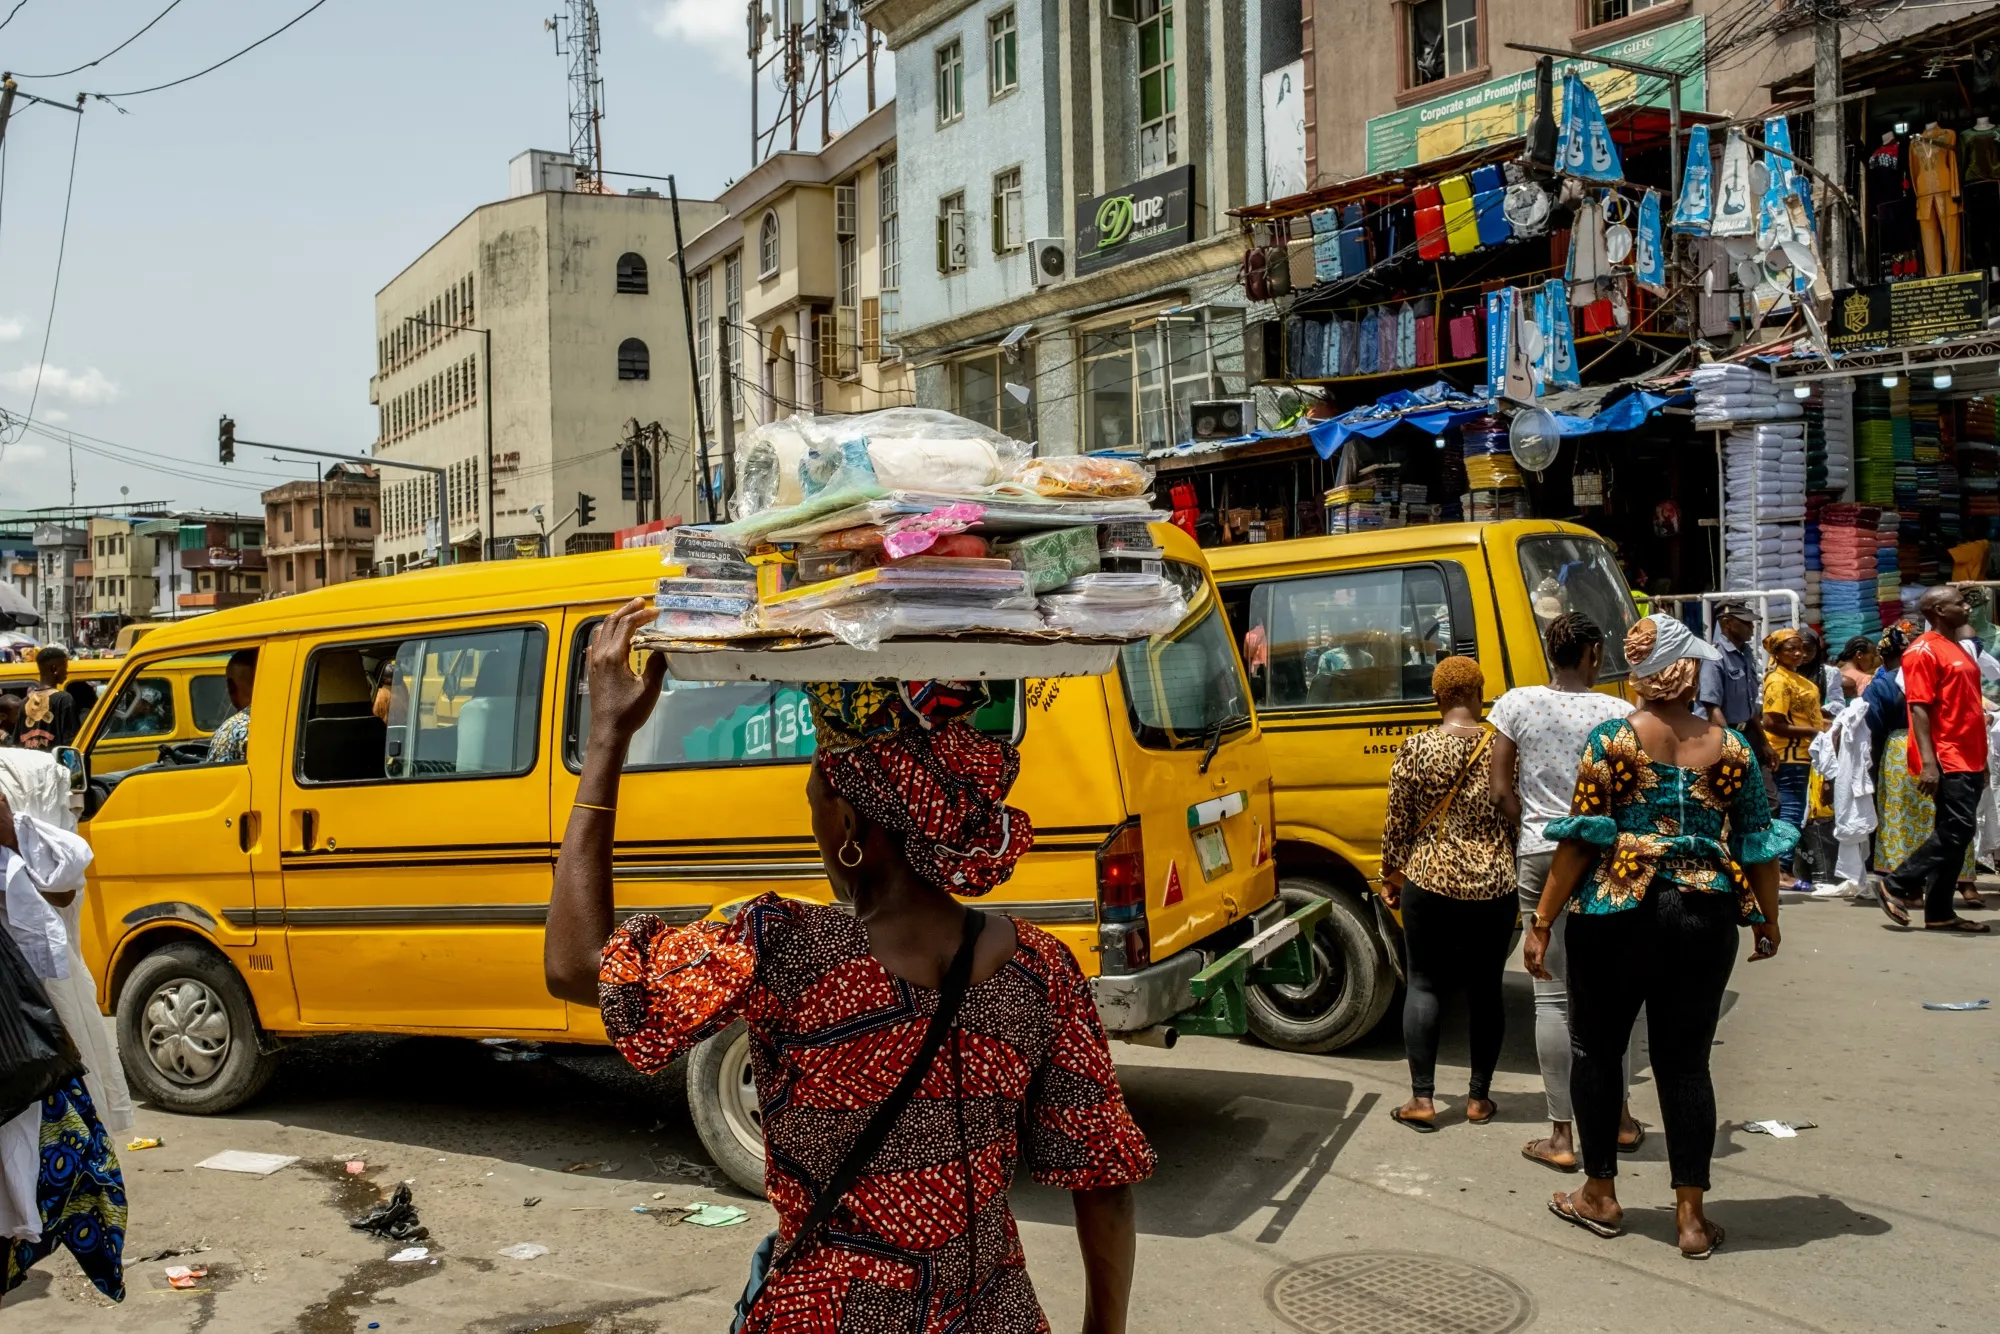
1143	219
1902	314
1500	109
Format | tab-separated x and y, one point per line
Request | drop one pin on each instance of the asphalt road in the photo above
1883	1218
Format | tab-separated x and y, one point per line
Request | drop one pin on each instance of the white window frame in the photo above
1009	217
949	68
770	246
1003	54
954	256
1159	136
704	338
732	310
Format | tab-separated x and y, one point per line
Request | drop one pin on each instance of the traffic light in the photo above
586	510
226	440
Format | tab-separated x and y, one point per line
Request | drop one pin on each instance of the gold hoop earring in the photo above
841	856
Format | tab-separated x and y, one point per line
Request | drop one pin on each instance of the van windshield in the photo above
1183	688
1565	573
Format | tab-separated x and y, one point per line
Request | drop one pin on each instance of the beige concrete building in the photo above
321	532
121	572
804	272
574	297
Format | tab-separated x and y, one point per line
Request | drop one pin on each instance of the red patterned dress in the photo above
833	1032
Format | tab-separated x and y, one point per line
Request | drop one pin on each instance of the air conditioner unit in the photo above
1050	258
1221	419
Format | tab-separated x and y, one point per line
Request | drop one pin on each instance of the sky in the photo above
226	238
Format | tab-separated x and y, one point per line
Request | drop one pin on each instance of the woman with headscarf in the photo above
1792	718
909	809
1668	847
1903	814
1448	863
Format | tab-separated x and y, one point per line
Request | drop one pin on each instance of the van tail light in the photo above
1124	937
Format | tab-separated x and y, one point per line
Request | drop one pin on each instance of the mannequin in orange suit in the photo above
1934	175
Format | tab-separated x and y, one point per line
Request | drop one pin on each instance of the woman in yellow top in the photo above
1793	716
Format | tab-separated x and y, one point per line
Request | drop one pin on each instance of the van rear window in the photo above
700	723
1184	688
1566	573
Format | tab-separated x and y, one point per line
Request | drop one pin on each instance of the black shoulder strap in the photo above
872	1136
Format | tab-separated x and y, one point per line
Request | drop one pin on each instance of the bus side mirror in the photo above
70	758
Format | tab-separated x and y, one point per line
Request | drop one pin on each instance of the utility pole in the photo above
7	90
694	360
1829	136
724	398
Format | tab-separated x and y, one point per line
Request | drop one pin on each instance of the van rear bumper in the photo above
1129	1002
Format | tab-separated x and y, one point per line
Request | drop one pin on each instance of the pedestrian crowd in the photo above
1635	840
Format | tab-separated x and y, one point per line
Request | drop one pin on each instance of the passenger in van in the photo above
1668	846
1448	863
231	742
908	806
1540	733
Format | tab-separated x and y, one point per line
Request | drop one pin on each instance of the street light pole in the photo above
486	519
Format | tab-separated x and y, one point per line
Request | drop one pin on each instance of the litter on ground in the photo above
715	1215
1779	1129
524	1250
1958	1005
410	1255
134	1146
186	1276
242	1160
395	1218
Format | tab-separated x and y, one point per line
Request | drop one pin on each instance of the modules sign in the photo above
1905	313
1154	215
1500	109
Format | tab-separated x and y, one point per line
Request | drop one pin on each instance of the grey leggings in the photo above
1552	1041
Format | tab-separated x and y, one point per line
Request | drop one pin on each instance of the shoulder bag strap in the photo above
1436	812
876	1132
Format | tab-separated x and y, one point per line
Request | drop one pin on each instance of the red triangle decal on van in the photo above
1173	894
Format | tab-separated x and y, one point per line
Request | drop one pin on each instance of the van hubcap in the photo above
187	1031
740	1107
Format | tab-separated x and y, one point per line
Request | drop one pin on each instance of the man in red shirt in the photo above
1948	759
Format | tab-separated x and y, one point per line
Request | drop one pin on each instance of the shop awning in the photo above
1943	41
1431	410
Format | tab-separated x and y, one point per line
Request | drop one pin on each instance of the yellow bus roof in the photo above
82	669
1377	542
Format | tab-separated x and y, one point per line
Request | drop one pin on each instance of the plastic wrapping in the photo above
1115	606
1053	558
767	468
702	553
868	622
894	448
1071	476
1004	514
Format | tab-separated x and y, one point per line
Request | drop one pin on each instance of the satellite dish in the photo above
1534	437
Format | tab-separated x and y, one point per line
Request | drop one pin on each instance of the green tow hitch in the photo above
1280	954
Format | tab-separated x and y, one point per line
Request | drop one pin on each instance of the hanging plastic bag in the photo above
1774	220
1561	335
1695	210
1734	213
36	1054
1585	147
1649	263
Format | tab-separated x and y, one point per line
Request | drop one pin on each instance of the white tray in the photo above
899	660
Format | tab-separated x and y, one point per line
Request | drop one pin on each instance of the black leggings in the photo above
1673	954
1452	944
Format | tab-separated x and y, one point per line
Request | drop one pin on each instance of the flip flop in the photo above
1715	1239
1470	1119
1965	925
1636	1144
1568	1213
1420	1126
1893	909
1528	1152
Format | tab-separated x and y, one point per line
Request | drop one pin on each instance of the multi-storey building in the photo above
205	562
59	548
323	531
574	299
121	576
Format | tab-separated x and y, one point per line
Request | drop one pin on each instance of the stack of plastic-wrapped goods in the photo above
910	524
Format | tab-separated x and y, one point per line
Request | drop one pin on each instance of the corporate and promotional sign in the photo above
1499	109
1143	219
1900	314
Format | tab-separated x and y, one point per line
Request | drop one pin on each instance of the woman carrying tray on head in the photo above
989	1018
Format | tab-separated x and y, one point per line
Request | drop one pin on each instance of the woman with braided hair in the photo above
852	1013
1539	737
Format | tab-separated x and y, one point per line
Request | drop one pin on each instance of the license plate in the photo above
1211	851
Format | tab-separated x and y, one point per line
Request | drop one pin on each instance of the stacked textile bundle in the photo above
1875	452
1726	393
1904	445
1888	578
1847	572
1494	487
1765	473
1830	437
1979	470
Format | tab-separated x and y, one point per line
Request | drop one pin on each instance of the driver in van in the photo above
232	740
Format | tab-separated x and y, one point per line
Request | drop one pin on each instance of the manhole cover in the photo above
1390	1292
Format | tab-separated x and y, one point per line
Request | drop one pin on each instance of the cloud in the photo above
716	28
90	386
11	328
55	416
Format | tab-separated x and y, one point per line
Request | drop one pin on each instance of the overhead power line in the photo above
55	287
12	12
63	74
162	87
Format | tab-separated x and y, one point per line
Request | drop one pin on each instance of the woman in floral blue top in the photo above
1668	847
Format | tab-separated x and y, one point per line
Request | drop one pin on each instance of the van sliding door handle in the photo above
248	826
308	829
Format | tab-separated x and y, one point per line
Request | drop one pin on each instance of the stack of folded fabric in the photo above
1847	572
1905	449
1830	438
1765	474
1979	470
1874	450
1494	486
1726	393
1888	579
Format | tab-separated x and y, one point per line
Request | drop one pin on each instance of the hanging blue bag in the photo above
1695	209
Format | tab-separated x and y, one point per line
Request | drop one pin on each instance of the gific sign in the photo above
1151	216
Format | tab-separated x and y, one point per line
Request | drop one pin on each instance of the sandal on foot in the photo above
1964	924
1470	1119
1420	1125
1564	1207
1528	1152
1636	1144
1715	1238
1893	909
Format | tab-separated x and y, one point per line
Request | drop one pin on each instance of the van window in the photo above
208	697
145	708
1566	573
733	722
1340	640
1182	689
422	708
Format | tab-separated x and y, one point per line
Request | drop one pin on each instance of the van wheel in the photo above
1352	982
187	1032
722	1100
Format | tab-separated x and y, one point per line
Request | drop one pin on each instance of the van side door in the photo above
415	827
